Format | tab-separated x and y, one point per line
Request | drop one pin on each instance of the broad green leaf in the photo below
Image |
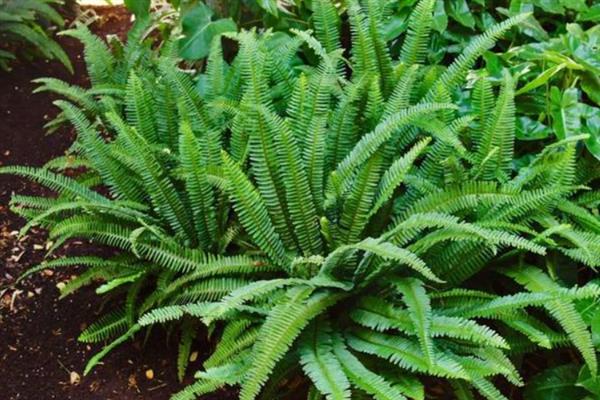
592	14
551	6
555	384
565	114
591	118
140	8
530	129
541	79
199	29
530	27
584	52
394	27
460	12
269	6
577	5
589	382
440	18
493	64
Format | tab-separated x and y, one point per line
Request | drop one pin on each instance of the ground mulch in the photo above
40	357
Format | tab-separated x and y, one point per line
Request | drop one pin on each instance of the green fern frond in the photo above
238	336
355	215
563	311
419	310
380	316
160	187
393	177
404	353
170	313
321	364
414	49
199	193
59	183
372	141
363	378
98	57
74	94
123	185
364	58
498	133
107	349
456	72
253	212
327	24
281	328
300	201
245	294
140	108
108	326
379	45
204	291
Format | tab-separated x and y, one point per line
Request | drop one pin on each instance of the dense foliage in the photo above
108	68
25	21
553	54
358	216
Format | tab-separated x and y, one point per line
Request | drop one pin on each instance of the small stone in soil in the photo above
74	378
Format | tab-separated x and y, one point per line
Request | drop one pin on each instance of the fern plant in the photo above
167	212
23	21
108	66
317	185
356	223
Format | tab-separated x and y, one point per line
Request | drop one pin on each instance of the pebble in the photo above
74	378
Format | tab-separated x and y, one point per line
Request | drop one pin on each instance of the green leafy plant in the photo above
280	14
352	245
108	66
185	246
358	225
560	86
24	21
553	54
454	21
199	30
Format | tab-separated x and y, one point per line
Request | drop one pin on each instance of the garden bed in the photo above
352	210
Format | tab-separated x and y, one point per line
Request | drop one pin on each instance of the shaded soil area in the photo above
40	357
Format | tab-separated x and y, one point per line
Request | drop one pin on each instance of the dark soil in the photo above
40	357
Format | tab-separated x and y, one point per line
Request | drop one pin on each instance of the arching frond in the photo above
321	364
281	328
415	44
